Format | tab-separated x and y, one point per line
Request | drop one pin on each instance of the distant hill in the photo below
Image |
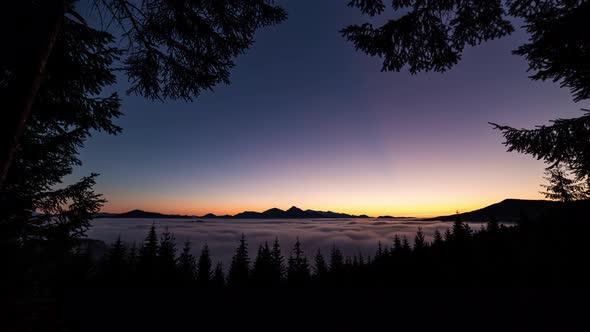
274	213
511	210
140	214
293	213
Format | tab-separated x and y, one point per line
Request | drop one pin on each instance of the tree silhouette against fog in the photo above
148	255
297	267
432	35
263	270
204	267
278	263
239	270
186	265
320	268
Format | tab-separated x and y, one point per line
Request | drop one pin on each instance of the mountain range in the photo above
508	210
274	213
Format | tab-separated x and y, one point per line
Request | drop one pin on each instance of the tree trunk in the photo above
44	21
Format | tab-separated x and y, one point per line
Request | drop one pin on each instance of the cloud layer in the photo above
352	236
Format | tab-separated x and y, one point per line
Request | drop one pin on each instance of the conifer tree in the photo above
278	262
167	256
115	261
204	267
187	266
239	269
336	261
397	244
420	242
461	231
218	279
148	255
406	248
320	267
448	235
437	241
298	267
263	270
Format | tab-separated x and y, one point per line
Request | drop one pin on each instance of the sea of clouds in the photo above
352	236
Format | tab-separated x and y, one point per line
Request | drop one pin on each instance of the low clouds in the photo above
360	236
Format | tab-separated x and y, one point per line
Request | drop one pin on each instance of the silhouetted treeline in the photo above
519	270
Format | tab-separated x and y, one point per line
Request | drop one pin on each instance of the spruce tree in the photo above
263	270
239	269
167	256
336	261
420	242
115	261
187	266
204	267
218	279
437	241
406	248
397	244
320	267
148	255
278	262
298	267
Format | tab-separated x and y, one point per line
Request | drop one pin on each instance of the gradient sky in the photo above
308	121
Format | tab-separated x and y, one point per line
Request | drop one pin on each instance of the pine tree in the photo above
187	266
397	244
239	269
148	255
167	256
461	231
278	263
406	248
336	261
320	267
298	267
218	279
115	261
204	267
437	241
448	235
380	254
420	244
263	271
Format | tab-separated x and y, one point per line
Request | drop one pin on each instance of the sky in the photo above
308	121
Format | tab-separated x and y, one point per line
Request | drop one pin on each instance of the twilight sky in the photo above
308	121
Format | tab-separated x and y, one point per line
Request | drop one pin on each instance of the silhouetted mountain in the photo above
274	213
511	210
293	213
140	214
392	217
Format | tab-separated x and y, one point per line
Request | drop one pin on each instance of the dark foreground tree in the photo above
204	267
187	265
431	35
69	106
169	49
239	269
298	267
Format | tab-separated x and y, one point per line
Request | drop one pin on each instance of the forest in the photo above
507	274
